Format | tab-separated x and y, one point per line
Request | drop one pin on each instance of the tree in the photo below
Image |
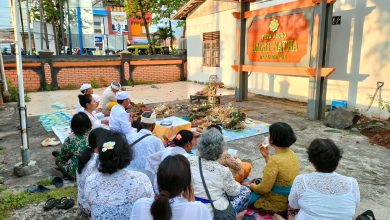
161	35
139	9
163	10
50	12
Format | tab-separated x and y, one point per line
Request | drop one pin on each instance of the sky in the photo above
5	19
5	14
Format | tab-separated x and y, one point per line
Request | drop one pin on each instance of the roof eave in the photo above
186	9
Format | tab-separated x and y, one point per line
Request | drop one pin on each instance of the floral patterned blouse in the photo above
67	160
112	196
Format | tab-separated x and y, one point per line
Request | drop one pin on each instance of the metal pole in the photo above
22	106
28	28
21	20
316	83
80	32
5	86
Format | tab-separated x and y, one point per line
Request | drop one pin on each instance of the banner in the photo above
119	23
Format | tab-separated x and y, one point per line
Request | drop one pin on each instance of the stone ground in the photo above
368	163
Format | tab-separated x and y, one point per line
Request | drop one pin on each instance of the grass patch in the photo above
13	91
10	201
140	82
70	87
45	182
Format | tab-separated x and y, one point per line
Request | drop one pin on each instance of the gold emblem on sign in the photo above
274	25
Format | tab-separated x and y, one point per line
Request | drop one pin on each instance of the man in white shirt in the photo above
109	95
86	88
120	120
149	145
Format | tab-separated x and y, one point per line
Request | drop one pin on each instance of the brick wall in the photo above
30	79
159	73
73	71
77	76
127	70
47	73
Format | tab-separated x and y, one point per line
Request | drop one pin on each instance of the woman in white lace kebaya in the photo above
88	164
324	194
111	192
219	180
176	198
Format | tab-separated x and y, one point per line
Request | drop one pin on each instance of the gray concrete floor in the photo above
368	163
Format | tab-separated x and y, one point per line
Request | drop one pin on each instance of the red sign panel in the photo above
282	39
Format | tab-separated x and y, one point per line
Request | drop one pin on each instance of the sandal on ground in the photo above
50	203
65	203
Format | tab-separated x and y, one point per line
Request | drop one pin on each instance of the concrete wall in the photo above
199	24
360	52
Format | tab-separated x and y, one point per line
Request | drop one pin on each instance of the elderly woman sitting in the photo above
218	179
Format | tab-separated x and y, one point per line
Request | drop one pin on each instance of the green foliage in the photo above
51	10
13	91
10	201
45	182
385	105
161	35
95	84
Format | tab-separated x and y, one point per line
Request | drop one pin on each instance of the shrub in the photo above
95	84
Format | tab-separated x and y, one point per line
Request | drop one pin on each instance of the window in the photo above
211	49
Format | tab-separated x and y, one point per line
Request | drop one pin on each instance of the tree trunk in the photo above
170	34
62	37
41	21
151	48
46	36
55	37
21	22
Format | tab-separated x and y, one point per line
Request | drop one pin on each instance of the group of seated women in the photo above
180	185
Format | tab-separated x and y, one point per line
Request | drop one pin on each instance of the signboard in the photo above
336	20
119	22
279	39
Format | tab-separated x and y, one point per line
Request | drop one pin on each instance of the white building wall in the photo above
226	24
360	52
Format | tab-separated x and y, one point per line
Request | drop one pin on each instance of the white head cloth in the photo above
116	86
95	97
122	95
150	120
85	86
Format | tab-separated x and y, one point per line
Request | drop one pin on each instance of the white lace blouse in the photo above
321	196
181	210
89	168
113	196
219	181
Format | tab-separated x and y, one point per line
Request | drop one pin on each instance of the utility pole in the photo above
21	20
26	167
5	86
29	29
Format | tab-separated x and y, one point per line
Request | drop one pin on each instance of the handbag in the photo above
367	215
229	213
